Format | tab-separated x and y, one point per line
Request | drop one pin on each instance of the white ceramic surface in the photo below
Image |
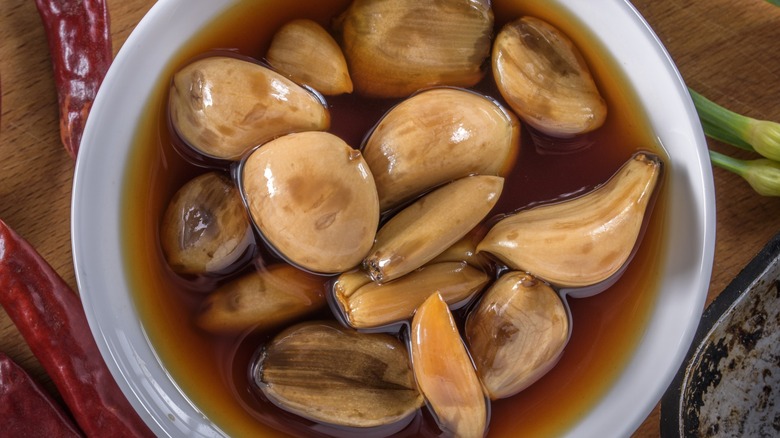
107	141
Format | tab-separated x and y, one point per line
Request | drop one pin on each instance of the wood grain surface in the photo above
727	50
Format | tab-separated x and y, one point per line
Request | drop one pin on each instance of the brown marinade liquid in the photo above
213	370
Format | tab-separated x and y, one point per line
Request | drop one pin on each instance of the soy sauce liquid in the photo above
212	370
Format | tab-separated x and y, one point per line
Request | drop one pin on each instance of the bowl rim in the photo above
100	175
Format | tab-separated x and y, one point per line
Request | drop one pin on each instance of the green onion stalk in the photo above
761	136
747	133
762	174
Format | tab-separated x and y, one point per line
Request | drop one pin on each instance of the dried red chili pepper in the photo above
79	36
25	407
51	319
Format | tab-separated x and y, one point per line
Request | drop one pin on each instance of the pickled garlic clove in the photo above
306	53
581	241
372	305
349	282
313	199
465	250
544	78
426	228
516	333
205	229
223	106
444	372
396	47
262	300
328	373
437	136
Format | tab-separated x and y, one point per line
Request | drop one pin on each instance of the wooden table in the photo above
727	50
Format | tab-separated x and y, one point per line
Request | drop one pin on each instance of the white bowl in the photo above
101	169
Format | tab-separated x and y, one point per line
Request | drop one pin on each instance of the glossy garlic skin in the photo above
224	106
516	333
544	78
205	229
306	53
313	199
435	137
262	300
582	241
444	372
430	225
465	250
371	305
328	373
397	47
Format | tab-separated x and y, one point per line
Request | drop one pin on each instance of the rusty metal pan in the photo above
729	383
